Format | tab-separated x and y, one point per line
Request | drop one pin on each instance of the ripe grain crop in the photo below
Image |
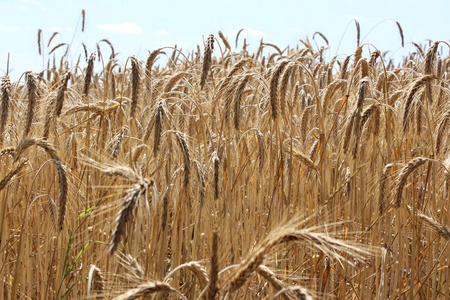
227	174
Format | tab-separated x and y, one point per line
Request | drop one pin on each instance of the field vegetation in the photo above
225	174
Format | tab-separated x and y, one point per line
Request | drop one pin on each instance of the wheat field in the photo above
225	174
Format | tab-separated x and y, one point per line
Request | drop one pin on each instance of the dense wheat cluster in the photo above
225	174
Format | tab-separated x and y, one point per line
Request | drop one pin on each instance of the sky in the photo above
137	27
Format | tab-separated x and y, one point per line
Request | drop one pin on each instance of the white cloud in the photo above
34	2
9	28
126	28
162	32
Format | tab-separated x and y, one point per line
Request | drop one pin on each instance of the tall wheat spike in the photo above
207	60
32	102
6	98
135	81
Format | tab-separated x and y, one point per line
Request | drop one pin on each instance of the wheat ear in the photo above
284	234
88	75
410	96
32	101
224	40
130	202
135	80
237	100
274	88
403	176
62	195
207	59
438	227
6	95
186	156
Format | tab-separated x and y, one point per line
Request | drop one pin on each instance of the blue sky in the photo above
135	27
